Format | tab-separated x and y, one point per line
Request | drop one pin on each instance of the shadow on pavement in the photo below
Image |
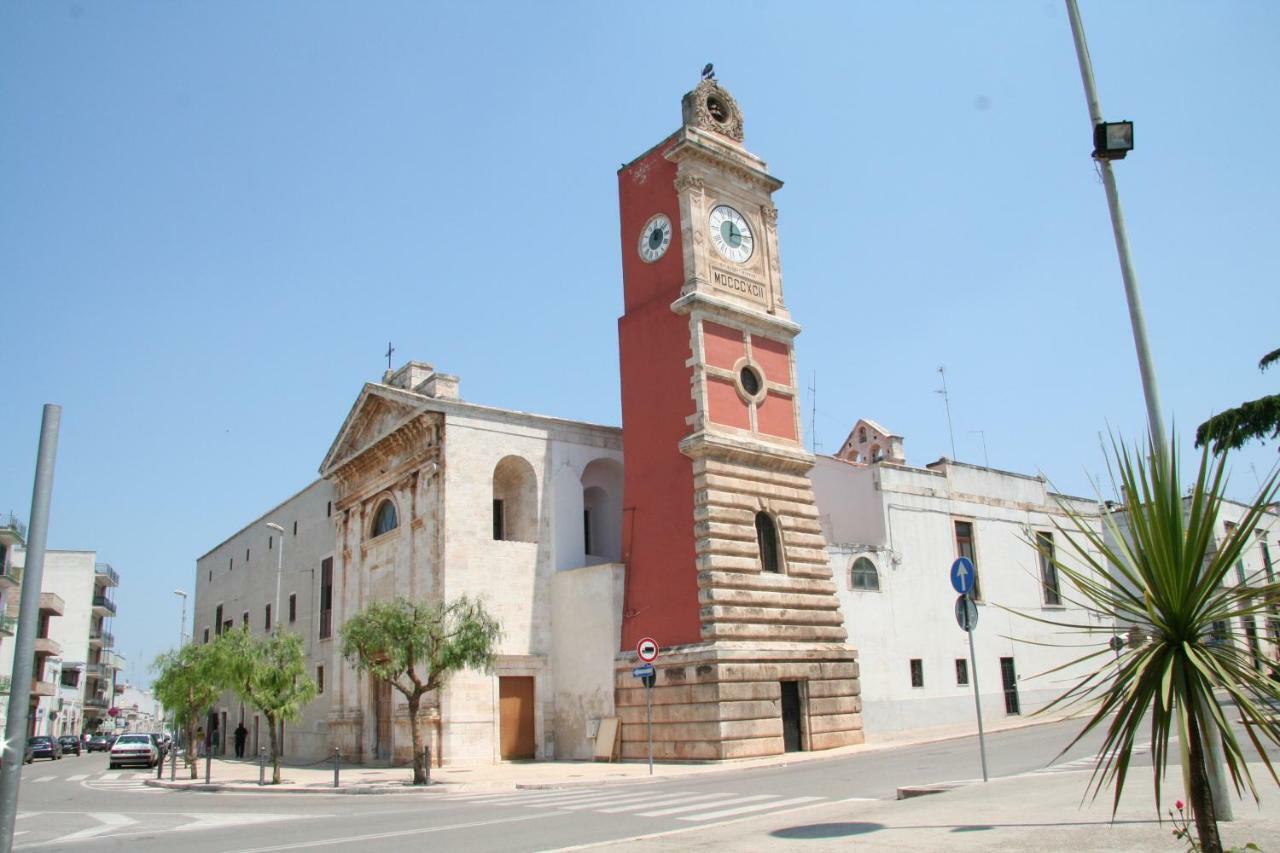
827	830
841	830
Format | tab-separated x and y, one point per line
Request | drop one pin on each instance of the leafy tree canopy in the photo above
1255	419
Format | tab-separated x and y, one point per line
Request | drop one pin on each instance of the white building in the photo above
894	531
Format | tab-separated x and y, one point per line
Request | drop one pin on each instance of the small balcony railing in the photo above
106	573
9	521
95	702
101	601
10	573
8	626
102	638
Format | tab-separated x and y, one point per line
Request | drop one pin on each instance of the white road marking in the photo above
21	815
643	799
682	809
649	804
747	809
208	820
79	777
325	842
45	779
108	821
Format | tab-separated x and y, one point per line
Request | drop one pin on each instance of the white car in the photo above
133	749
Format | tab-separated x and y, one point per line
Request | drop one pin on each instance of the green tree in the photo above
188	682
417	646
269	673
1256	419
1163	574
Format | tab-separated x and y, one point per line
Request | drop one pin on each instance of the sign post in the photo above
647	651
962	578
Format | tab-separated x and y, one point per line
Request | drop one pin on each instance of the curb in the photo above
253	788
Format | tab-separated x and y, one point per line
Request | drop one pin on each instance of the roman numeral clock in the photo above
726	562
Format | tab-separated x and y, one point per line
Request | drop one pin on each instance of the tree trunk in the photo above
419	769
191	749
275	750
1200	796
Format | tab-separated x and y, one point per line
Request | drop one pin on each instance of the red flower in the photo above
1178	805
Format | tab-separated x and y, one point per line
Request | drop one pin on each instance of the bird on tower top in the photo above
708	72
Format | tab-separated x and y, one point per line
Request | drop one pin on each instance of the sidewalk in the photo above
231	775
1042	811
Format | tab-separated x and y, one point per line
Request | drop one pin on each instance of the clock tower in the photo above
726	562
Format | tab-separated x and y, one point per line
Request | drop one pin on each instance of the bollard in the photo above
426	762
262	766
336	755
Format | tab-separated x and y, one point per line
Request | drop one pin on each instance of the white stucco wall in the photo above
587	621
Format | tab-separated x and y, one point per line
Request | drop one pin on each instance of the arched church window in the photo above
385	519
767	540
863	575
515	500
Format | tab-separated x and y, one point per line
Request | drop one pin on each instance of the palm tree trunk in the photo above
275	750
1200	796
419	771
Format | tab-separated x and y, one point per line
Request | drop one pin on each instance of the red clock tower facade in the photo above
726	562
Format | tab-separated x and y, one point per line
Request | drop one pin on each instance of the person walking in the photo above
242	735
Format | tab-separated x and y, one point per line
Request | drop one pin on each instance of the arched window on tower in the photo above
863	575
515	501
385	519
767	540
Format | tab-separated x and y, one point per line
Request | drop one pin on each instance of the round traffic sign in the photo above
966	613
647	649
962	575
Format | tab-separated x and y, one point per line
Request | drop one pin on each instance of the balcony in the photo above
43	688
52	604
10	574
103	606
10	524
105	575
44	646
5	683
99	702
101	639
8	626
96	670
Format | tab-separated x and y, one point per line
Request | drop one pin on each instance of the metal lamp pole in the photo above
1155	419
173	735
275	611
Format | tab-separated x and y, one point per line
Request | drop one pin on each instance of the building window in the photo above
767	540
270	543
326	597
1048	568
246	555
244	619
964	548
328	509
862	435
231	564
293	607
385	519
295	528
586	531
266	618
917	672
863	575
498	530
319	679
217	619
962	672
206	636
515	486
226	626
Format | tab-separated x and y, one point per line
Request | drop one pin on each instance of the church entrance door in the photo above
515	711
382	719
791	736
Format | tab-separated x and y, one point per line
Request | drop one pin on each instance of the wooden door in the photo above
382	718
515	713
792	740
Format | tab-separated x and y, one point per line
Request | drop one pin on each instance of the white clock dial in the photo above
731	234
655	238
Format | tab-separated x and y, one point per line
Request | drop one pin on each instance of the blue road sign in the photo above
962	575
643	671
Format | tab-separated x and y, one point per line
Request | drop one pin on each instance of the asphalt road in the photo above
77	804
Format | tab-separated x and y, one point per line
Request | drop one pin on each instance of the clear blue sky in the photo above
213	217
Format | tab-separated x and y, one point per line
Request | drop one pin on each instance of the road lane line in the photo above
794	801
643	799
79	777
681	809
666	802
325	842
108	821
45	779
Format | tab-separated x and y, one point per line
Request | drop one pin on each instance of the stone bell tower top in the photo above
710	107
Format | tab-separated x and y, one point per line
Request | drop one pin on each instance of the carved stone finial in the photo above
710	107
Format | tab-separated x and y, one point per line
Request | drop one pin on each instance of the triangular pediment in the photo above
378	412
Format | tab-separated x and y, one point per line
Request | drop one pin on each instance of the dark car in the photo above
99	743
43	746
69	743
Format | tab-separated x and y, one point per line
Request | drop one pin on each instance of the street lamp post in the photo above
173	735
275	610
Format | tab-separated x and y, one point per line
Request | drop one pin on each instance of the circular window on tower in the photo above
750	382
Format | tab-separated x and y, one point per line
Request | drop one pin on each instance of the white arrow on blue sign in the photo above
962	575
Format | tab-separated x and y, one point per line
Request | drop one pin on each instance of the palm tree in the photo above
1162	575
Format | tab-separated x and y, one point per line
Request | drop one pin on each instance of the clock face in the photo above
655	238
731	234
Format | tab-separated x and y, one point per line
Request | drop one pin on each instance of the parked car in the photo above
43	746
134	749
69	743
99	743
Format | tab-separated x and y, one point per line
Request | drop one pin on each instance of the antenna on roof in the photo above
814	444
986	460
946	401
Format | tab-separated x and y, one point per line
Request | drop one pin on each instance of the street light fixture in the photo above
275	611
182	626
1112	139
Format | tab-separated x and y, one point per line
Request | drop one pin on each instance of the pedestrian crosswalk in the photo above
688	806
1088	762
118	781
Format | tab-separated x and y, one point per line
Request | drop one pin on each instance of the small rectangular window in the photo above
293	607
206	635
246	555
962	672
586	531
231	564
266	620
226	626
328	509
965	548
270	544
498	529
319	679
326	597
217	619
244	619
295	528
917	672
1048	568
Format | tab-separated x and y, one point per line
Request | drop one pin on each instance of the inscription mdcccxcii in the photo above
737	284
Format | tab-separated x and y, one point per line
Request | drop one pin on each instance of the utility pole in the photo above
1151	394
15	733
